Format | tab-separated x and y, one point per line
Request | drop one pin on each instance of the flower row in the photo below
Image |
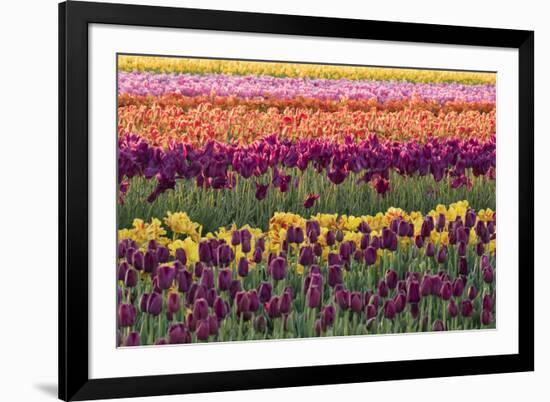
251	86
198	125
325	105
329	275
236	67
273	161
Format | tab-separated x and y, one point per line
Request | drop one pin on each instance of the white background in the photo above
28	335
108	361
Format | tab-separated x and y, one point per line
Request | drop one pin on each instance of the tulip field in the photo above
263	200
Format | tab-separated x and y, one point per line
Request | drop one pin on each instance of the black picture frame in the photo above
74	18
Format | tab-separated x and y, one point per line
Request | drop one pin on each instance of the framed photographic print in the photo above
258	200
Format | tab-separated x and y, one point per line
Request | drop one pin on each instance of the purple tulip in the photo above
486	317
472	292
264	291
488	275
442	254
334	275
430	249
126	315
391	278
438	326
131	278
313	297
234	287
173	302
413	292
426	286
487	302
383	288
150	261
133	339
236	238
154	303
467	308
389	309
207	278
224	279
166	275
184	278
328	315
200	309
306	256
317	250
203	330
370	311
272	307
261	191
400	300
163	254
370	255
285	301
356	302
178	333
260	324
458	287
277	268
181	256
243	267
446	290
330	238
343	298
452	309
205	252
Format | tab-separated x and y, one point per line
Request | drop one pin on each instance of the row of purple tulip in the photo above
216	164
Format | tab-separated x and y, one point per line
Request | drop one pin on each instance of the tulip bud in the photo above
356	302
400	301
313	297
173	302
370	311
131	278
236	238
330	238
438	326
370	255
446	290
264	291
488	275
126	315
472	292
317	250
154	303
442	254
334	275
243	267
458	287
181	256
207	278
487	302
277	268
224	279
260	324
318	327
163	254
382	288
391	278
486	317
272	307
184	279
328	315
285	301
413	292
389	309
203	330
205	252
452	309
480	248
339	235
430	249
133	339
467	308
178	333
166	275
306	255
426	286
200	309
343	298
